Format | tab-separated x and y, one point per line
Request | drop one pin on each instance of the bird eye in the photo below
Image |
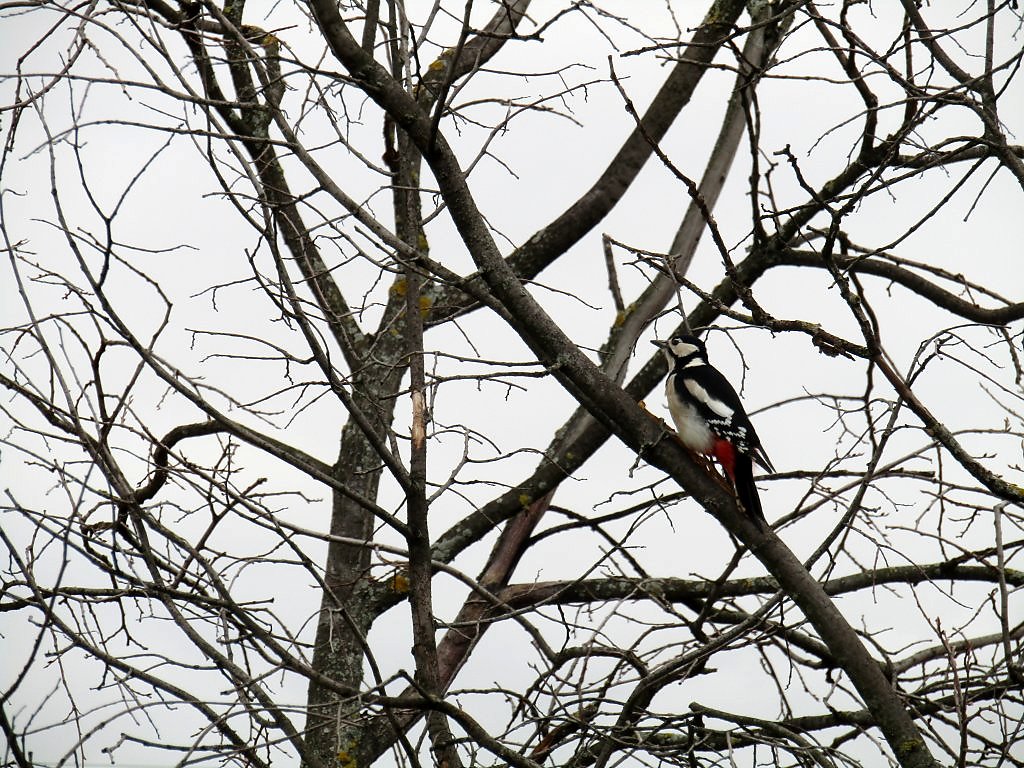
676	340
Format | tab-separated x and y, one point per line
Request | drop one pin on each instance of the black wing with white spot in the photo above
718	404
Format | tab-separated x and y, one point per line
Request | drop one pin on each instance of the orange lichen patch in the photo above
400	583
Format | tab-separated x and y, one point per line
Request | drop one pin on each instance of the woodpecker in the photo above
710	419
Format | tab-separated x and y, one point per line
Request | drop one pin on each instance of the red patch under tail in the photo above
740	470
725	453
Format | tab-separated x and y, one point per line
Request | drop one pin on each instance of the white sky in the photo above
176	203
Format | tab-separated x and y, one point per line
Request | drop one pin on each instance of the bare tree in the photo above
325	441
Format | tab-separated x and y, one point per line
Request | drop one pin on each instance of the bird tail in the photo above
743	478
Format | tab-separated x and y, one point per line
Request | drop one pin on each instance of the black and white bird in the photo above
710	419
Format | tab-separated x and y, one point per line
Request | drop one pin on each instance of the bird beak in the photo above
660	344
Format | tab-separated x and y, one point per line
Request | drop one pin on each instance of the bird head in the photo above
682	349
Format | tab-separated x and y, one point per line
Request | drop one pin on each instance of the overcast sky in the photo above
177	227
